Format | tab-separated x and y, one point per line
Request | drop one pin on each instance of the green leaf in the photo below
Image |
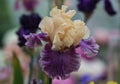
45	79
18	75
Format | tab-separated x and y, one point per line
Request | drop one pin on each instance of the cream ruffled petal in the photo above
63	32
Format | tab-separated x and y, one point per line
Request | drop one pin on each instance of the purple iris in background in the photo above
108	7
28	5
28	24
88	6
87	78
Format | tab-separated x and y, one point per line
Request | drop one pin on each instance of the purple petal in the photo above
34	39
43	36
30	4
87	6
89	47
59	64
20	34
31	41
108	7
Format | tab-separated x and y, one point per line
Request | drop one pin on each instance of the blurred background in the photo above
104	27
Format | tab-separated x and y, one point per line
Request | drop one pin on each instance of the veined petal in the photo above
89	47
58	64
34	39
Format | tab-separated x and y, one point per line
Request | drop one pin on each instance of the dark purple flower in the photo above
30	21
108	7
87	6
34	39
28	24
28	5
59	64
20	34
89	47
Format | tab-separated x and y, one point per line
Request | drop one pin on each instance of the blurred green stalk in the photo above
17	71
31	65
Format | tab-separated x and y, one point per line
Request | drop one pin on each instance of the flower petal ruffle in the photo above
58	64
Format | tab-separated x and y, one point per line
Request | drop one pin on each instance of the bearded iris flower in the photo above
58	58
62	37
28	24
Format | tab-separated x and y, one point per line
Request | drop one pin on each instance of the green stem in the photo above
31	67
45	79
17	71
62	2
31	71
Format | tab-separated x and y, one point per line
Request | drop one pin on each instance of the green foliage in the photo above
45	79
18	75
5	22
